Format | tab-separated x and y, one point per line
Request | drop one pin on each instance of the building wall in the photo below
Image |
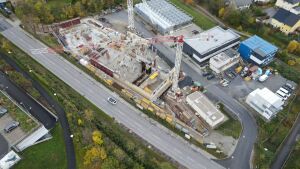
284	28
246	53
187	49
285	5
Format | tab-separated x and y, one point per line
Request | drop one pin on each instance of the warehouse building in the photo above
164	16
265	102
258	51
210	43
206	109
224	60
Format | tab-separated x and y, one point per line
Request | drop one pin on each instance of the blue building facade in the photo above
258	51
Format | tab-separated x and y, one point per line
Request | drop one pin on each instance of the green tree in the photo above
94	157
292	46
97	137
6	45
69	11
110	163
221	12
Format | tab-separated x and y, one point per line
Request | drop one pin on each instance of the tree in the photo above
240	28
291	62
110	163
292	46
97	137
69	12
215	5
94	157
6	45
89	114
78	8
221	12
80	122
119	154
189	2
233	17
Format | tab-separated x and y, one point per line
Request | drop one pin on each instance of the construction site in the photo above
126	58
130	64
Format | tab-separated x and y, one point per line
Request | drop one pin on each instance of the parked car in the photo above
225	83
209	77
229	74
3	111
11	126
290	86
288	94
287	88
112	100
204	74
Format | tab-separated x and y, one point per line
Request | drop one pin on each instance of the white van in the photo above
285	91
281	94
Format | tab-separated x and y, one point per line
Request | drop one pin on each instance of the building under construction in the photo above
124	57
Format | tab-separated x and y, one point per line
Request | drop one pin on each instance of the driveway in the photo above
71	159
3	146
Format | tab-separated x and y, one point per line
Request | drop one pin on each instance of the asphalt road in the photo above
3	146
155	134
287	146
70	152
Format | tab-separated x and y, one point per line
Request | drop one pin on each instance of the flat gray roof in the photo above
206	106
211	39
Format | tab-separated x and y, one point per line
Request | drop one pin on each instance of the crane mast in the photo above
130	15
178	59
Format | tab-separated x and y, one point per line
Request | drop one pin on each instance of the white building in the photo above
265	102
210	43
224	61
205	108
162	15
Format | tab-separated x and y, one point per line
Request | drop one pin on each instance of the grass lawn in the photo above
231	127
199	18
47	155
26	123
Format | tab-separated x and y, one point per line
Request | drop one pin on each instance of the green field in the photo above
199	18
47	155
232	127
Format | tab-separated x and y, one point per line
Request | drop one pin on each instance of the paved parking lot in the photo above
15	135
240	88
